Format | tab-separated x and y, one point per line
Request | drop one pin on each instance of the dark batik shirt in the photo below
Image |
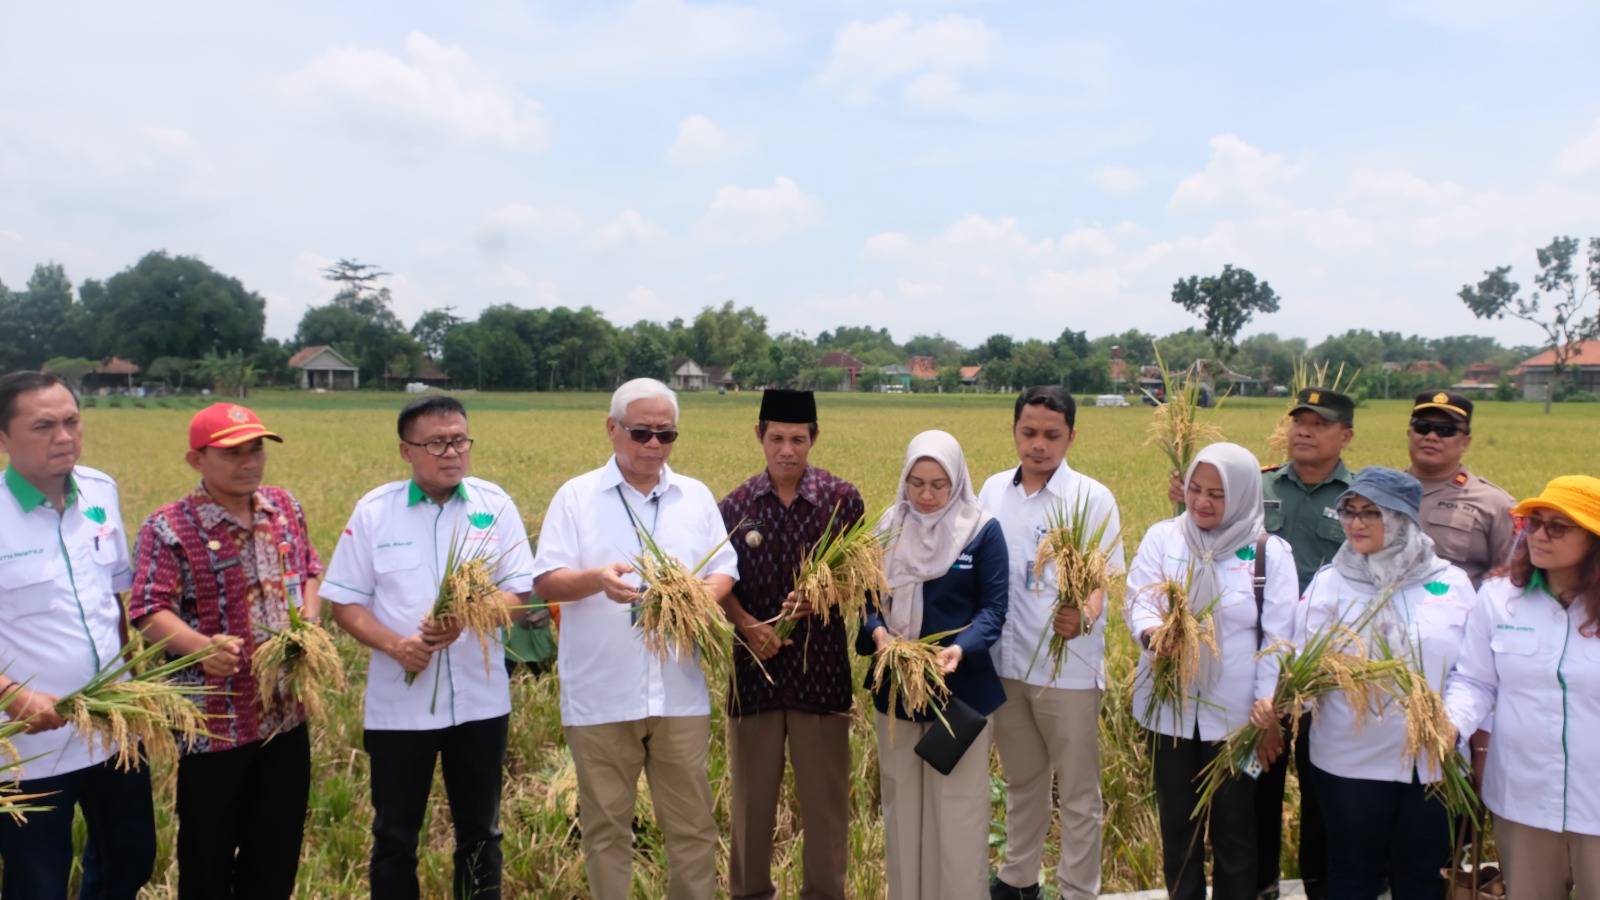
813	673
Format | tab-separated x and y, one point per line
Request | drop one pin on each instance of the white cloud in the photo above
743	215
658	37
701	141
629	227
1237	173
1117	179
917	291
439	95
929	56
1585	154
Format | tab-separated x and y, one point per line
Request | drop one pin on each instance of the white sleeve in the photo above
1139	607
558	536
1112	542
723	561
122	569
1471	686
514	570
350	579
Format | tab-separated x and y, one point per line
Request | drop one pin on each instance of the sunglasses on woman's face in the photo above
643	435
1433	426
1555	530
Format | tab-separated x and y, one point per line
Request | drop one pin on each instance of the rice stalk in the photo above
1306	376
1176	645
1074	545
1428	738
1175	425
677	616
911	670
839	572
119	714
16	805
296	665
469	596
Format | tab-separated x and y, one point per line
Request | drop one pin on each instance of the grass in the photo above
339	446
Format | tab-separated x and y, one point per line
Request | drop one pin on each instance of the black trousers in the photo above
1231	823
121	848
1383	829
242	819
1269	820
472	755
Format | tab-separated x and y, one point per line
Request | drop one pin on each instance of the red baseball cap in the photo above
226	425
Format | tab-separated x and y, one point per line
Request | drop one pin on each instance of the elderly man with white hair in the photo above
623	708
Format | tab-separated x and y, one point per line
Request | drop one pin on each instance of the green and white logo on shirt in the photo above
96	514
481	520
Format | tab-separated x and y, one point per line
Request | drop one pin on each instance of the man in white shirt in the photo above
1049	725
63	559
382	581
625	709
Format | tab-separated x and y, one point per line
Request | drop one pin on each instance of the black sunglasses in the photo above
643	435
1531	526
1433	426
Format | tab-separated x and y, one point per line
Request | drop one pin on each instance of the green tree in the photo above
941	348
1355	349
431	327
172	370
1034	363
229	374
647	358
13	353
998	346
1226	302
1556	307
359	322
73	369
48	320
172	306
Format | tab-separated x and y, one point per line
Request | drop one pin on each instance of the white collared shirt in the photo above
1025	520
1164	555
1435	619
389	561
59	578
607	675
1529	669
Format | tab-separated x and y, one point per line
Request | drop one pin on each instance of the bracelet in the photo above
1480	749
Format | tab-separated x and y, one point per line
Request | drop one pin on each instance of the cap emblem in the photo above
1441	397
238	415
1314	398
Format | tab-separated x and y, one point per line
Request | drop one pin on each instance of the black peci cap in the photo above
788	406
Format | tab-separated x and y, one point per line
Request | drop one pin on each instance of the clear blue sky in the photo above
969	168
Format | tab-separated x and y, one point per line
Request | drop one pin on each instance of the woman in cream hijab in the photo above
947	570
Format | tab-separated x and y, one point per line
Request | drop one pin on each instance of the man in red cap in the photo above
221	567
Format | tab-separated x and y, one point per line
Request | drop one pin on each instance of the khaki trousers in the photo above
819	749
1040	731
935	827
672	751
1547	865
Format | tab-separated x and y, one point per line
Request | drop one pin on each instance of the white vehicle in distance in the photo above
1111	400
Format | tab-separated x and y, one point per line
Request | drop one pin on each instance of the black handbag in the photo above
942	747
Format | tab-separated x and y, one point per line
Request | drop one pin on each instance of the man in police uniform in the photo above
1301	496
63	558
1468	518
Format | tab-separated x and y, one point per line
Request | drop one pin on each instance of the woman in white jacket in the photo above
1216	542
1531	669
1381	822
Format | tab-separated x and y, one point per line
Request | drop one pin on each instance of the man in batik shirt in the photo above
220	568
803	696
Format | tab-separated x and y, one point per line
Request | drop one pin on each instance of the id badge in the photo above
1253	767
291	589
1028	580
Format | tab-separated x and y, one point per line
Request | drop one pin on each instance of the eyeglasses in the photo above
1555	530
1369	516
643	435
1433	426
438	446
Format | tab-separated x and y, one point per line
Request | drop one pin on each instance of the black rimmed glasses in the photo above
1372	515
1555	530
440	446
1434	426
643	435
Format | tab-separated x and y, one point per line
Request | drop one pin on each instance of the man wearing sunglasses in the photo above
624	708
1468	518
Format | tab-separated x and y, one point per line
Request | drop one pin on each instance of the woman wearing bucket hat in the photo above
1530	669
1387	579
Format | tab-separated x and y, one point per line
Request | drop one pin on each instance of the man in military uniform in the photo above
1301	496
1468	518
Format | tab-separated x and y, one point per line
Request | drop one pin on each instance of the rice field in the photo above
338	447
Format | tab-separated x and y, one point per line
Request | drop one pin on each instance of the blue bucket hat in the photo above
1390	489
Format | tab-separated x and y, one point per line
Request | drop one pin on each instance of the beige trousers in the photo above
672	751
935	827
1040	731
819	750
1547	865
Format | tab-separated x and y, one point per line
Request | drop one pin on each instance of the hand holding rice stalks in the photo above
677	615
839	572
297	664
144	708
1305	377
1074	545
469	595
12	803
915	678
1176	645
1175	425
1428	733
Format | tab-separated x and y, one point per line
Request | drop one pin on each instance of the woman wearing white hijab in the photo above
947	570
1212	547
1381	823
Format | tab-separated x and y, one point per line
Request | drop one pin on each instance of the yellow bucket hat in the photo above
1577	496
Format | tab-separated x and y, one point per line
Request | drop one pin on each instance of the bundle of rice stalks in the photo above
1428	732
911	669
839	572
1333	659
1073	544
1305	377
12	803
1176	645
298	663
469	595
145	708
1175	425
677	615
